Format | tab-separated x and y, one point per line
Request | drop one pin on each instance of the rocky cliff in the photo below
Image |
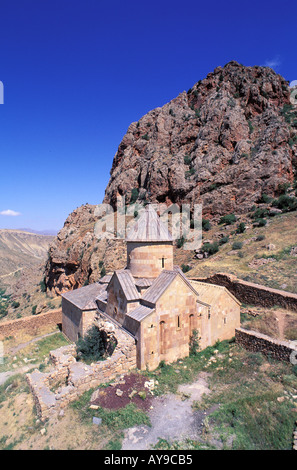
227	141
223	143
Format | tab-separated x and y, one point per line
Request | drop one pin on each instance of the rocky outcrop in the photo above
223	143
227	141
77	256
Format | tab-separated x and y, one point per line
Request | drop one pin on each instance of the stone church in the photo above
152	300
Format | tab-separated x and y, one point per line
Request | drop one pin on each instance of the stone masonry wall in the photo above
68	379
256	342
254	294
30	324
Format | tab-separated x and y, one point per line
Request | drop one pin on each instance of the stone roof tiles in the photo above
127	283
139	313
84	298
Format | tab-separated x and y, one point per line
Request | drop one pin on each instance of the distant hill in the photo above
52	233
20	248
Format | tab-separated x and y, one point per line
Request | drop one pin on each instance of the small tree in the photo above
91	347
103	272
206	225
194	343
241	227
237	246
228	219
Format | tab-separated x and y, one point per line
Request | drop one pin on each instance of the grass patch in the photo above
247	387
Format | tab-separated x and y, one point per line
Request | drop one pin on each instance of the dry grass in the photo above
279	273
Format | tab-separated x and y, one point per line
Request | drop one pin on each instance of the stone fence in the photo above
30	324
257	342
253	294
68	378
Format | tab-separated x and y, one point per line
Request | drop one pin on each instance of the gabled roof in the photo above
210	293
127	283
149	228
162	282
84	297
143	281
140	313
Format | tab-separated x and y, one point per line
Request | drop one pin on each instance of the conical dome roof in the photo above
149	228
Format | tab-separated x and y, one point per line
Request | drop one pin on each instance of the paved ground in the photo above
172	418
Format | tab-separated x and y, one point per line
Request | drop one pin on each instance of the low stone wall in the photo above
30	324
253	294
68	379
257	342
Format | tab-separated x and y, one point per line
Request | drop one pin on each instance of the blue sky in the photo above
76	73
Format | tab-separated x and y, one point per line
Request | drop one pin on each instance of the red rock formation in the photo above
225	142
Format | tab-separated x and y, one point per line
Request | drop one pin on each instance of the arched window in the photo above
163	262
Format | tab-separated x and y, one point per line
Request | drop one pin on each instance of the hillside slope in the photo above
20	249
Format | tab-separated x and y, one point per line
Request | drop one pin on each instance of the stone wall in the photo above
68	378
30	324
257	342
254	294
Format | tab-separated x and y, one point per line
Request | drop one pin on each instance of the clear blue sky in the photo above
76	73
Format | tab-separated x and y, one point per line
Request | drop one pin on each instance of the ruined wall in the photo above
31	324
257	342
68	379
253	294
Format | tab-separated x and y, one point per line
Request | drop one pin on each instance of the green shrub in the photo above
206	225
42	285
262	222
180	242
15	304
103	272
223	240
34	309
134	195
285	203
185	268
210	248
265	198
91	347
283	188
241	227
259	213
228	219
194	343
237	246
187	160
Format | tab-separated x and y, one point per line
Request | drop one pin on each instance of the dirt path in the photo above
10	274
172	418
34	340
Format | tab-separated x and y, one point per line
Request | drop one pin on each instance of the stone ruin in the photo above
68	378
